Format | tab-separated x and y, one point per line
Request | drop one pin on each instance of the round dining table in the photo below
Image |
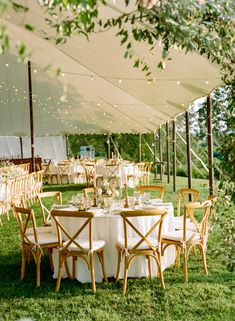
108	226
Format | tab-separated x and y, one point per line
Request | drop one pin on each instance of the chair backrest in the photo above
89	170
147	167
89	191
64	169
141	167
160	189
64	234
112	170
48	197
25	167
184	193
26	219
143	238
199	220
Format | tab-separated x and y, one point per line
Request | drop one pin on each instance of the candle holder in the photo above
126	205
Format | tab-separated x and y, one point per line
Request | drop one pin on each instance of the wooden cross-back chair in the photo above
72	246
89	170
112	173
25	167
43	198
46	170
147	169
33	243
160	189
183	195
88	192
142	245
64	171
185	239
141	172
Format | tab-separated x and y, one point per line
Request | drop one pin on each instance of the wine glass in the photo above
146	198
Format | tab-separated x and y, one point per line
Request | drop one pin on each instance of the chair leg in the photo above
50	259
67	269
185	266
23	262
125	275
38	263
101	258
118	265
177	259
58	282
74	267
203	252
160	273
92	272
149	266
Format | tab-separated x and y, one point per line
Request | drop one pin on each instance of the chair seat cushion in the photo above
179	222
40	230
132	241
97	245
44	238
178	235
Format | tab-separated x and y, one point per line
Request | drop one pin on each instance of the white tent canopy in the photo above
104	92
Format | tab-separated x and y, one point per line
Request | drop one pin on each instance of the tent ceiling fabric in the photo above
104	92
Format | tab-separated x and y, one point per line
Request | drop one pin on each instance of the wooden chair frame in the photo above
46	213
111	170
88	190
64	171
160	189
81	252
185	245
89	170
28	247
151	250
183	193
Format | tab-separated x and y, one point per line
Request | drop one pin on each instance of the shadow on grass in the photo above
12	287
64	188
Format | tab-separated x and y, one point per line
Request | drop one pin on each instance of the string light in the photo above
178	82
119	80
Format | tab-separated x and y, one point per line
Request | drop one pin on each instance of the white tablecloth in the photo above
110	229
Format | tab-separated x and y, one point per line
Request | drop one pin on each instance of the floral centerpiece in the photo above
106	190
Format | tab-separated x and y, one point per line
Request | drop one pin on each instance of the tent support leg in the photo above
31	117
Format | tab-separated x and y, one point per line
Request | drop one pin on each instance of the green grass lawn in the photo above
204	298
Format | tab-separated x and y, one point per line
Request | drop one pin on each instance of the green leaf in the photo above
29	27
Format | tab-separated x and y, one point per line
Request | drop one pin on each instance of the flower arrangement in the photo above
106	190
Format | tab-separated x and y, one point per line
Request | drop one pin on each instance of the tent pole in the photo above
168	152
210	145
139	147
188	153
160	153
154	156
31	117
174	154
108	141
21	148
